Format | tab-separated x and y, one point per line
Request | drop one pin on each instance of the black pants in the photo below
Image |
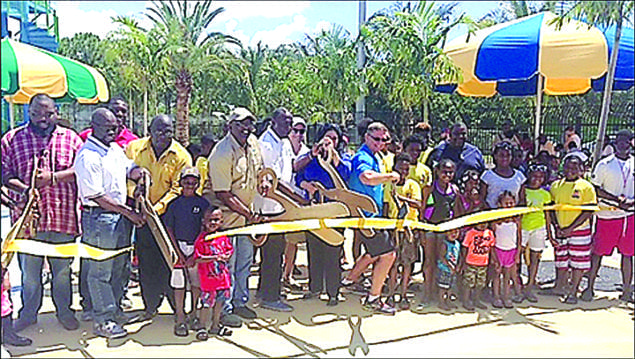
154	273
271	267
324	265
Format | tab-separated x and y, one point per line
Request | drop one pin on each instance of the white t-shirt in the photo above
101	170
278	157
506	235
616	177
303	150
497	184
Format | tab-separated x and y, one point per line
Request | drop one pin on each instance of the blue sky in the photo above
272	22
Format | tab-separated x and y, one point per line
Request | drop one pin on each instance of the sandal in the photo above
221	331
180	330
202	335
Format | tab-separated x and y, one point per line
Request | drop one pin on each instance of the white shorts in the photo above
536	239
178	280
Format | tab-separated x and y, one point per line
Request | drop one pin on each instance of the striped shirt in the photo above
58	205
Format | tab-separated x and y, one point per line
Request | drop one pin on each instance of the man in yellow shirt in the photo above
572	228
164	158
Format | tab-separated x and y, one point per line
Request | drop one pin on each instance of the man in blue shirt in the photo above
465	155
366	178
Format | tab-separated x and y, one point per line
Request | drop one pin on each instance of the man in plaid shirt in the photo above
55	148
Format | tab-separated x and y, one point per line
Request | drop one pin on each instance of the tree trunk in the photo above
183	91
606	100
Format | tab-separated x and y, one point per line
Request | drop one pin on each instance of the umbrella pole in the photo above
538	108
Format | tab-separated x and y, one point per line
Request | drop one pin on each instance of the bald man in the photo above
101	169
164	158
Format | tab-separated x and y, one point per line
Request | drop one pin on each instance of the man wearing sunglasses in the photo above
367	178
465	155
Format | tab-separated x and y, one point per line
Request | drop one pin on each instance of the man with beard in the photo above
56	148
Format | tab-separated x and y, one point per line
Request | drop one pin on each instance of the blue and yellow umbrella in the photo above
514	58
28	70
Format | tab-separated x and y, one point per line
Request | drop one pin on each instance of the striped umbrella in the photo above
512	58
28	70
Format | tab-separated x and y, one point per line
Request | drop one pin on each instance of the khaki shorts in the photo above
475	276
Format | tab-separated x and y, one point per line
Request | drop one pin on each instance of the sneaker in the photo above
379	307
110	330
86	316
68	322
245	313
278	306
230	320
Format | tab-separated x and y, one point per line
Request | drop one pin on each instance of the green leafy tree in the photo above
189	48
405	54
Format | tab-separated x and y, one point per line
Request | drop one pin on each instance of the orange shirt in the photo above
478	245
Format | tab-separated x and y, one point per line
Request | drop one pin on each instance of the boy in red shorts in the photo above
613	179
572	228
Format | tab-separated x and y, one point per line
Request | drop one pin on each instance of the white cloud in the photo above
73	20
268	9
282	34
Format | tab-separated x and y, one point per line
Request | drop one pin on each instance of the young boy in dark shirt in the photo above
182	220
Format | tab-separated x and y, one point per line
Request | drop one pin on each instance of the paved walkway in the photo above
602	328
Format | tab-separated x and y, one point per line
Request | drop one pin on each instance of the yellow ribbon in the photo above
66	250
387	223
85	251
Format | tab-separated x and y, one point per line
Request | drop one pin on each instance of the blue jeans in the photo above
106	279
61	290
239	267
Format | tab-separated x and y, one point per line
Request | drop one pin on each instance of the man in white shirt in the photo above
278	157
613	178
101	169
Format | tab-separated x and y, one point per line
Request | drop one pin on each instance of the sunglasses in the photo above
471	176
504	145
299	130
537	168
379	139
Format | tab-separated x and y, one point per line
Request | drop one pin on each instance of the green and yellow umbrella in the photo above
28	70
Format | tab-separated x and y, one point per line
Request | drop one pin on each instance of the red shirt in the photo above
123	138
213	275
58	205
479	244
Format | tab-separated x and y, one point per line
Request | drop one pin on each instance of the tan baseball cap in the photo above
190	172
240	113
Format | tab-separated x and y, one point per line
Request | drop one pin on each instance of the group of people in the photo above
88	184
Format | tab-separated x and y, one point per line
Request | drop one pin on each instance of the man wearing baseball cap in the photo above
233	169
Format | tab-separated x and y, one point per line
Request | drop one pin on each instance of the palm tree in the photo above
189	49
511	10
605	15
405	53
